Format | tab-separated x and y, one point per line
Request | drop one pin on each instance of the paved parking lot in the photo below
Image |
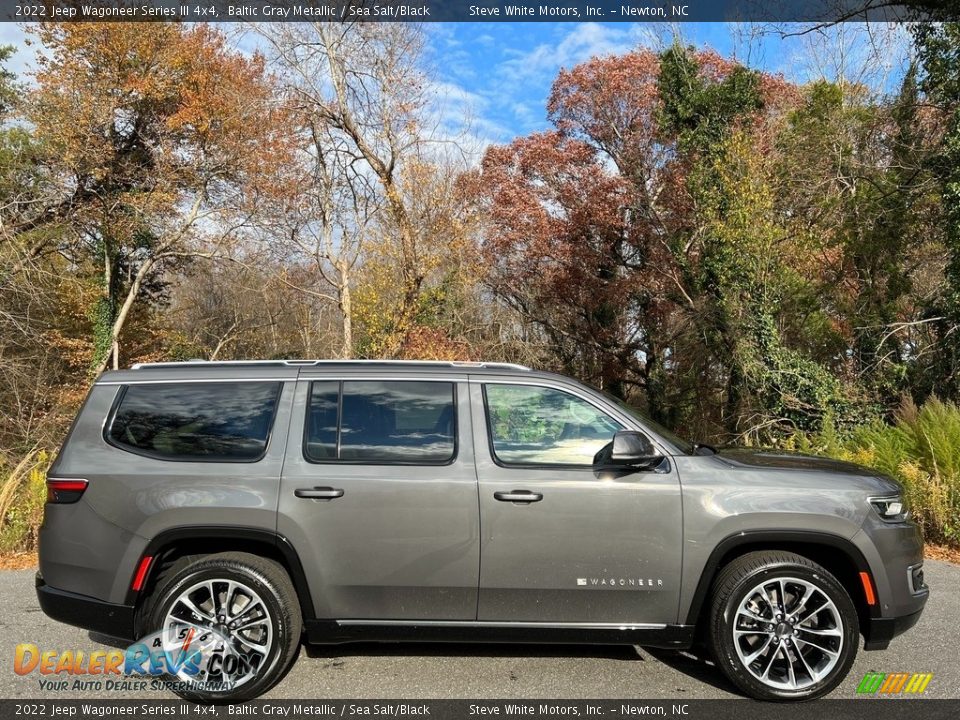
498	671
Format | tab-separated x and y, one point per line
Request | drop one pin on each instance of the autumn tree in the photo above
156	136
644	235
556	246
448	307
585	223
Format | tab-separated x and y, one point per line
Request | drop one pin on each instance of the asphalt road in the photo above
499	671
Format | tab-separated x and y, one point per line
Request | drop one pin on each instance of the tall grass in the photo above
921	450
22	496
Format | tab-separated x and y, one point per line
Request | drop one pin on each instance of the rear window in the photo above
221	421
390	422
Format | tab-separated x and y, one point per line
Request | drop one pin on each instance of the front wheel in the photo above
235	620
782	627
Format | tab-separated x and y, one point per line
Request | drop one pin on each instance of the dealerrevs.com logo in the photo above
194	660
875	683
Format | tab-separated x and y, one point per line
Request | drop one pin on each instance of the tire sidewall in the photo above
256	581
727	653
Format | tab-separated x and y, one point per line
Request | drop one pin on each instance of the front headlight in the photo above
891	509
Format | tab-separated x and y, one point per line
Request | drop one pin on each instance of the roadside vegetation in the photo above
920	448
749	258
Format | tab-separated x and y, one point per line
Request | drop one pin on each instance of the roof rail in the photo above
314	363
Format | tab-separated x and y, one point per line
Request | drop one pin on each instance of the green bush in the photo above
921	450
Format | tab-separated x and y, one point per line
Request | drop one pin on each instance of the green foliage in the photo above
938	47
101	319
742	274
698	112
8	86
921	450
793	390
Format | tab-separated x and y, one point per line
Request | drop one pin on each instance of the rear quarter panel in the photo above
92	546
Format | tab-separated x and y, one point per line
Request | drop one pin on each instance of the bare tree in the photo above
365	104
320	225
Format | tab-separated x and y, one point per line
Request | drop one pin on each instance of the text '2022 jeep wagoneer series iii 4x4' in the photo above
262	504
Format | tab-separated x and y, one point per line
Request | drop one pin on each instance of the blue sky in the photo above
505	70
502	72
494	78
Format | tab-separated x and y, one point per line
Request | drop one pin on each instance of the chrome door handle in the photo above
319	493
518	496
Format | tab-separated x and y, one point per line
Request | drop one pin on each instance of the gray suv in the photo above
265	503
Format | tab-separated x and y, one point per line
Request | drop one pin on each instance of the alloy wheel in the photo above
788	633
231	626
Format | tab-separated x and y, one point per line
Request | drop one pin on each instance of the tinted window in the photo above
322	420
542	426
226	421
382	422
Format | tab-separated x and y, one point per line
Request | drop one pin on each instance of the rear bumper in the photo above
86	612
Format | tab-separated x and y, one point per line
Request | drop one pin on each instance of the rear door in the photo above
379	496
563	543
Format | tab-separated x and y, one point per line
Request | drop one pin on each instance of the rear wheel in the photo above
238	615
782	627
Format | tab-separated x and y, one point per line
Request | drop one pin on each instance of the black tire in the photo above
269	580
731	588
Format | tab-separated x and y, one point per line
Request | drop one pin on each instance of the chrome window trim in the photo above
182	381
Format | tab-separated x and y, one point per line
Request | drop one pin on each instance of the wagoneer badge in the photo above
648	583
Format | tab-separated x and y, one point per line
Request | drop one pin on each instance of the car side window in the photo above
374	421
322	420
534	425
214	421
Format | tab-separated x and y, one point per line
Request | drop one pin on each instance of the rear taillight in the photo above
65	490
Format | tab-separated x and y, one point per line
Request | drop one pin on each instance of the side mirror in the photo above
633	448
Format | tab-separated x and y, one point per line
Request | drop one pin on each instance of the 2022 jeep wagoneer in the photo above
262	503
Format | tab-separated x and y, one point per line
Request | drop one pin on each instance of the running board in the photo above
323	632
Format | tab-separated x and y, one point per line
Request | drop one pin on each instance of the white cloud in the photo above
517	87
580	42
461	116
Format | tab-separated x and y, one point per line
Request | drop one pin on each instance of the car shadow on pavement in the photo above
101	639
689	663
696	665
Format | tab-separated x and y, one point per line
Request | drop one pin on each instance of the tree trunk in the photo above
107	295
121	318
655	386
346	311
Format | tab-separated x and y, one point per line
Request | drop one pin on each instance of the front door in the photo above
562	543
379	497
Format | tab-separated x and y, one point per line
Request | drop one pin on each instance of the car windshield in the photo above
684	446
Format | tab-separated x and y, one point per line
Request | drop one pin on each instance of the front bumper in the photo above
880	631
894	558
116	621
